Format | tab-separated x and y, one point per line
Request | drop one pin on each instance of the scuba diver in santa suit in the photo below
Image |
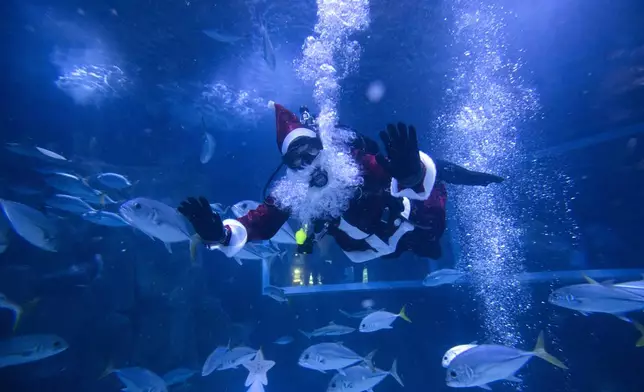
373	205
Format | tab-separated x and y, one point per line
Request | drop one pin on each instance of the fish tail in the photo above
640	328
368	360
540	351
16	321
308	335
109	368
195	241
21	310
344	313
394	373
403	315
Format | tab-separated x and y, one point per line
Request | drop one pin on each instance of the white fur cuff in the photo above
428	181
238	238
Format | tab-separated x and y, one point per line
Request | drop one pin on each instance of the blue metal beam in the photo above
590	141
566	277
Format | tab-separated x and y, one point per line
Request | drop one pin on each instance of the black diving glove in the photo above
205	221
404	163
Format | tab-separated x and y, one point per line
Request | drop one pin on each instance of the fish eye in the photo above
334	385
363	325
57	343
306	356
445	358
137	206
452	374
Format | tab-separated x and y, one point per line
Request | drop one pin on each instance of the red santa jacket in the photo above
416	221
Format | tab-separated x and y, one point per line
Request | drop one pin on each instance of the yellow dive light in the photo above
300	235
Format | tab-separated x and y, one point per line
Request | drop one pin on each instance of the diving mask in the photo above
302	152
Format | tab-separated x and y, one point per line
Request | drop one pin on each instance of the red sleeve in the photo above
264	222
373	169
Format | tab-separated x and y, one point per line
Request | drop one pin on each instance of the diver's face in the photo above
302	152
301	157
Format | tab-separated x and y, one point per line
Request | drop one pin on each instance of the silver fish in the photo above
219	208
69	203
6	303
178	376
331	356
381	320
105	218
137	379
597	298
158	220
30	348
31	225
215	360
487	363
114	180
267	46
4	233
34	151
442	276
360	314
332	329
71	185
361	378
222	37
236	357
208	148
454	351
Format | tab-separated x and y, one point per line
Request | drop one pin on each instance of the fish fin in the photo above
514	378
167	246
109	368
589	279
341	371
195	241
540	351
486	387
321	371
331	322
403	315
394	373
345	313
238	260
640	328
16	321
308	335
368	360
622	317
584	313
475	342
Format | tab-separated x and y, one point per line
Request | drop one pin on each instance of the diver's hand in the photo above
205	221
402	150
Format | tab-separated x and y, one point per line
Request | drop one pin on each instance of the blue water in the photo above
547	94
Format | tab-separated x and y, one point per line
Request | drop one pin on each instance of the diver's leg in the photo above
452	173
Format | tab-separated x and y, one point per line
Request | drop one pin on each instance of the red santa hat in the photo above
288	127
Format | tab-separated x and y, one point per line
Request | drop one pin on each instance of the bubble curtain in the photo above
486	104
330	55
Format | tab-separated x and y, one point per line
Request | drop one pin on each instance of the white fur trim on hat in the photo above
271	104
428	181
294	134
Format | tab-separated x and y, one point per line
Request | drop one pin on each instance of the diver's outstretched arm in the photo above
452	173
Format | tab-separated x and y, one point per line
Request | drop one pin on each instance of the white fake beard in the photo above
293	193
